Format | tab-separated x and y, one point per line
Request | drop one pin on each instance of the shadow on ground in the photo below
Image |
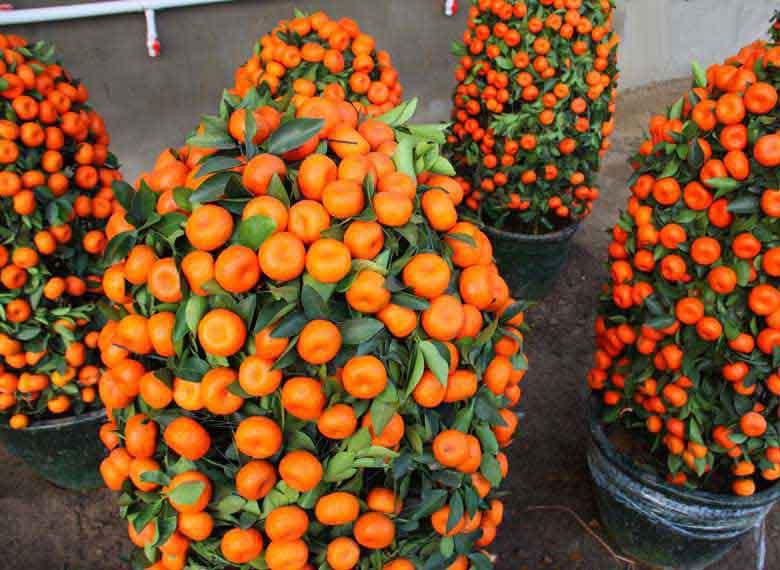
44	528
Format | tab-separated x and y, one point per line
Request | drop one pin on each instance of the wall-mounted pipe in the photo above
450	7
91	9
152	43
94	9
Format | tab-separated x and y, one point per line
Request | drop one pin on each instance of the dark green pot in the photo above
66	451
531	264
666	526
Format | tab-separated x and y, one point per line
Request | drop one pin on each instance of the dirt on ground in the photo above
549	495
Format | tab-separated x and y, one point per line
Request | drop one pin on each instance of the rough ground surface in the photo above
44	528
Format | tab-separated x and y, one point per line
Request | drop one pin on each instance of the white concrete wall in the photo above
662	37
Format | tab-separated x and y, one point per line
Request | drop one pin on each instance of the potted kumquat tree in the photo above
532	111
55	197
313	54
313	361
686	370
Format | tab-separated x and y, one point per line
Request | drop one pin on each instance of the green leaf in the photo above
253	231
187	493
235	388
456	511
435	361
123	193
443	166
171	225
410	301
217	164
447	546
458	49
432	132
513	310
383	407
355	331
290	325
491	469
399	115
196	308
360	440
146	516
403	157
301	440
723	185
670	169
676	111
216	140
213	288
339	467
661	322
155	477
277	190
695	154
166	526
699	75
742	269
694	431
192	368
231	505
465	238
181	196
119	246
293	134
744	205
417	370
314	306
142	206
212	189
431	502
250	130
487	438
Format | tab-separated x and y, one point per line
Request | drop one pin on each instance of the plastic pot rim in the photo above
560	235
57	423
682	494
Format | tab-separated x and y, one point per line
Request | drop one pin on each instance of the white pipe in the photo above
450	7
152	43
91	9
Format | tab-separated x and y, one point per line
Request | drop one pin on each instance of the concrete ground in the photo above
44	528
151	104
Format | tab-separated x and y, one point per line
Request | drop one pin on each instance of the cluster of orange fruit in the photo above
314	54
533	109
314	360
689	330
55	197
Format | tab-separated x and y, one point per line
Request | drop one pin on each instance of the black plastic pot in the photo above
66	451
667	526
531	264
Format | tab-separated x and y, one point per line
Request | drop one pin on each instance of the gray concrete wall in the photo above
662	37
151	103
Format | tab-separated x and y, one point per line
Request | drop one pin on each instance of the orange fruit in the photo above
374	530
209	227
258	437
255	480
300	470
364	377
